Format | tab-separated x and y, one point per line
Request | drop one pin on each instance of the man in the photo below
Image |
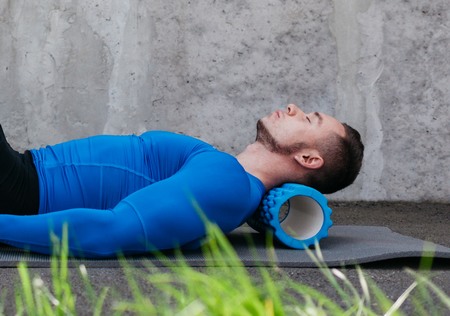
134	194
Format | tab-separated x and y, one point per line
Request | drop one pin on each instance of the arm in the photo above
155	217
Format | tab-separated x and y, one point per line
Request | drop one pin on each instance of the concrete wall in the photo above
211	68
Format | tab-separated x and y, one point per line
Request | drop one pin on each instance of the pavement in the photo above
426	221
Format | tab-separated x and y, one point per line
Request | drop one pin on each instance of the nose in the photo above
293	110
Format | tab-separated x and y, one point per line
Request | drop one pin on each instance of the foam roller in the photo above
296	214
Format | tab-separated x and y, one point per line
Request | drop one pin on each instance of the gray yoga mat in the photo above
346	245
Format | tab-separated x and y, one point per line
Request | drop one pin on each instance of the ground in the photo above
427	221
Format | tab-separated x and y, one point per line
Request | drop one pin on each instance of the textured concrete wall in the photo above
211	68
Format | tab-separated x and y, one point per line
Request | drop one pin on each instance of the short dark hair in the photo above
342	162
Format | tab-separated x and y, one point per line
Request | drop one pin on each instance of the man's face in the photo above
287	131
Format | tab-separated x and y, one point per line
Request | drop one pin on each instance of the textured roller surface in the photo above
297	215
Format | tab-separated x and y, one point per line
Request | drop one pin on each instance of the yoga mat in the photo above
346	245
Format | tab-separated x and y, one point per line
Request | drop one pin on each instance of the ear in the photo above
309	159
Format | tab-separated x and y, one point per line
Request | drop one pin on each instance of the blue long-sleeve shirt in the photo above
132	194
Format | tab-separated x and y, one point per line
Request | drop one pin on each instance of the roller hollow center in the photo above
301	217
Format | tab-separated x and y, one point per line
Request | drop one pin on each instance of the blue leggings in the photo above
132	194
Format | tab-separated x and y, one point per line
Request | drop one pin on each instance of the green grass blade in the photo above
27	289
314	298
432	306
402	298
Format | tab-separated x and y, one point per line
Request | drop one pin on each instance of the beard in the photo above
264	137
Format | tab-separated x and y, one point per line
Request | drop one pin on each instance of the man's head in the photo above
328	152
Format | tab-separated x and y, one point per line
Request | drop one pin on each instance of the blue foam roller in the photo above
296	214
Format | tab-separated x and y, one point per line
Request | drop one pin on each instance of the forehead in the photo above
332	124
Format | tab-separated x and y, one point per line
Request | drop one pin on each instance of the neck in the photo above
270	168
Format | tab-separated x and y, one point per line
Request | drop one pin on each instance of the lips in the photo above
278	113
